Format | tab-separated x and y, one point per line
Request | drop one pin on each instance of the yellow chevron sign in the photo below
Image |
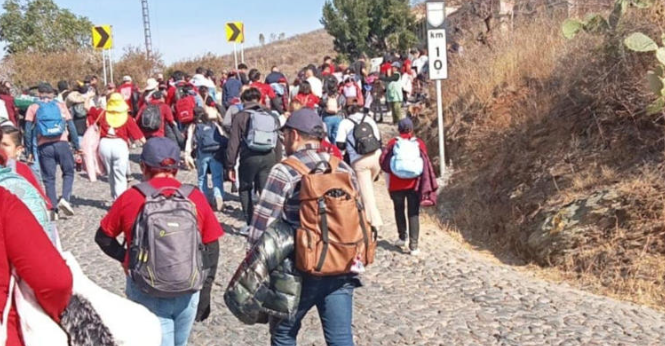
101	37
235	32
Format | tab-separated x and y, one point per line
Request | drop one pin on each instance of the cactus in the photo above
640	42
597	24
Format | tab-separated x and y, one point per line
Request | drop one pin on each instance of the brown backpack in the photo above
333	228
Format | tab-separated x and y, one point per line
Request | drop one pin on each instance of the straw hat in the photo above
116	111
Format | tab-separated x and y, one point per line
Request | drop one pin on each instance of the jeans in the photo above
115	155
332	124
413	199
253	173
203	162
333	298
175	314
52	155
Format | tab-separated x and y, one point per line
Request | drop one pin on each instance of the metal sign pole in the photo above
242	52
110	56
104	65
235	54
442	138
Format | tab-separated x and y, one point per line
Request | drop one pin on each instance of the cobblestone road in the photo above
447	296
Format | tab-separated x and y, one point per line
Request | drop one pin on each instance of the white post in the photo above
242	52
104	65
110	56
442	136
235	54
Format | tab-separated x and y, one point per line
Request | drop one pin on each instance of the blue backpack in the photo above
50	123
407	163
208	138
32	199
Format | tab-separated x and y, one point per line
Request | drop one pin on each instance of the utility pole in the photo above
146	28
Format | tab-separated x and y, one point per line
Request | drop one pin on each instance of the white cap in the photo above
126	79
151	84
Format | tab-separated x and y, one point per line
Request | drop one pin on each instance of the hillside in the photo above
556	162
290	54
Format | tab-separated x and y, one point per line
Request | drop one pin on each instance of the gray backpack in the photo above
166	253
262	130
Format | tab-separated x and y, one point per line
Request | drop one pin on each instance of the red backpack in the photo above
184	109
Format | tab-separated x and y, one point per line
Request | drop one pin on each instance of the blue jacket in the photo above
230	91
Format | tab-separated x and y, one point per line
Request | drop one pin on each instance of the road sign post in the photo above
102	39
438	66
235	33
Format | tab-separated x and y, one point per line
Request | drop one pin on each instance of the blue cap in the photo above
161	152
405	125
305	120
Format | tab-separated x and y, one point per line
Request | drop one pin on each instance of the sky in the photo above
188	28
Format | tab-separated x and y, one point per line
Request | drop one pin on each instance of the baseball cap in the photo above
396	64
161	152
305	120
405	125
126	79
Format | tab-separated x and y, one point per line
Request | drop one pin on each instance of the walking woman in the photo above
116	130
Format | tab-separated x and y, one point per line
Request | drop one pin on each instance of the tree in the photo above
281	36
41	26
369	26
262	39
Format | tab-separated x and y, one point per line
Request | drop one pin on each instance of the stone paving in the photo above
448	295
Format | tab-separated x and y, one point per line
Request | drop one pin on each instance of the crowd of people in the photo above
302	156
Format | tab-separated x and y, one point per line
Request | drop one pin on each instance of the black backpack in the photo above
208	138
79	112
151	120
363	136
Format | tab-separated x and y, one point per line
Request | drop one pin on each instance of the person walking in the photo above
155	109
306	97
314	81
284	192
51	123
231	89
117	128
394	94
205	137
359	135
253	139
403	161
185	232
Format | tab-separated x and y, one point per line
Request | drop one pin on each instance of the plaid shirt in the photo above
281	195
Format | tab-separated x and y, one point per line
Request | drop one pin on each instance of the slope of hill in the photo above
290	54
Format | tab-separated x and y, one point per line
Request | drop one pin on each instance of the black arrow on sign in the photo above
236	32
104	35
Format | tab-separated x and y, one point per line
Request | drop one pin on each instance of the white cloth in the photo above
420	63
345	133
317	86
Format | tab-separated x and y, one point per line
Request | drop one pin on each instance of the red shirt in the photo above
397	183
127	131
25	246
307	100
126	90
170	93
124	211
326	147
266	92
385	68
23	170
167	117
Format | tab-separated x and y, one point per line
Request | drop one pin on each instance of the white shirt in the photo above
345	133
317	86
420	63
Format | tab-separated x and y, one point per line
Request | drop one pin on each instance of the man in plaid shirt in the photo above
333	295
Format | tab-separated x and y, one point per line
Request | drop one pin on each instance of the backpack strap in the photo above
146	189
186	189
297	165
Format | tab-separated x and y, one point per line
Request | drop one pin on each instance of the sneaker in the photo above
53	215
65	207
243	231
219	203
415	252
400	243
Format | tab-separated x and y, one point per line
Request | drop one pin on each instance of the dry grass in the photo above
535	122
291	55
